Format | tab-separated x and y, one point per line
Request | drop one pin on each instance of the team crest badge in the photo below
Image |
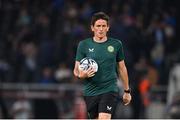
110	48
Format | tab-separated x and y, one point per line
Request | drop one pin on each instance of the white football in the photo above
86	62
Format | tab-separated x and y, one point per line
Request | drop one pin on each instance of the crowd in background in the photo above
39	38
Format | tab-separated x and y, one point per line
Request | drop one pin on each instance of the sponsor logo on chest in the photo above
91	49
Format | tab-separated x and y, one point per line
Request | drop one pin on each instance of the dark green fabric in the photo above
106	54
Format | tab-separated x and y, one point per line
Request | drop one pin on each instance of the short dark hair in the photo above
99	15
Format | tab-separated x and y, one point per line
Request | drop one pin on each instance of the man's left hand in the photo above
126	98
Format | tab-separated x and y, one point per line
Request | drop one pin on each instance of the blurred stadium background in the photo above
38	41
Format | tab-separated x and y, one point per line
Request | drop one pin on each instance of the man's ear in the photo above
108	28
92	28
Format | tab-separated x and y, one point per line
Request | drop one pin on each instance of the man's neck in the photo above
99	40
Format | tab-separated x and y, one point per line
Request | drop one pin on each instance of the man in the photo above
100	88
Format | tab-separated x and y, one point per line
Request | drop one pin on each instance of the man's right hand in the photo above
90	72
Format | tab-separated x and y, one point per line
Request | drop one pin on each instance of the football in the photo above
86	62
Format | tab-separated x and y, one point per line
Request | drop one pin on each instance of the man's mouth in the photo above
100	33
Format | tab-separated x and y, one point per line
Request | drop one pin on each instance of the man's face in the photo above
100	28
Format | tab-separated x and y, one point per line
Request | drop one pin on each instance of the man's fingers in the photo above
91	75
126	99
89	69
126	103
91	72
